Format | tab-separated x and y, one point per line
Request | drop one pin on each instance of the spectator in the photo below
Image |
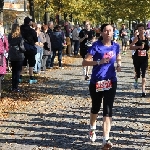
75	37
30	36
39	46
3	50
50	31
68	41
57	40
16	57
47	48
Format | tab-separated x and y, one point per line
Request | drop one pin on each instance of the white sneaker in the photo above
107	145
92	135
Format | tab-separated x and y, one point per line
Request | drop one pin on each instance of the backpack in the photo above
15	53
27	48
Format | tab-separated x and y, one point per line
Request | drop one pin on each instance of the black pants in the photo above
16	69
124	42
141	67
29	59
76	46
108	99
59	57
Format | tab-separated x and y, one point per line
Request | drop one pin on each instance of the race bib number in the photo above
141	52
103	85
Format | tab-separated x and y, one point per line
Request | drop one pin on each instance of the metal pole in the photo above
39	17
46	15
1	15
25	5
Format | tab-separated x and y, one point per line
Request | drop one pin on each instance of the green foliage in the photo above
97	10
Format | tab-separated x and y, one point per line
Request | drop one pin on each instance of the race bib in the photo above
103	85
141	52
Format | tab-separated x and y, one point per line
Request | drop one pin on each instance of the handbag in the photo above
21	46
26	47
30	49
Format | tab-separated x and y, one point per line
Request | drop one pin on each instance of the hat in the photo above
27	20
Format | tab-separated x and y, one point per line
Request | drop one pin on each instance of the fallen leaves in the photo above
19	101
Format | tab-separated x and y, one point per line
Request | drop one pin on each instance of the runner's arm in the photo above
82	39
88	61
118	60
133	46
93	39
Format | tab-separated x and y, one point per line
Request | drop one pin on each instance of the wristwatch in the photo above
98	62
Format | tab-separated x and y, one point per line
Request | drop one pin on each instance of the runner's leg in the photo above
96	104
108	101
143	69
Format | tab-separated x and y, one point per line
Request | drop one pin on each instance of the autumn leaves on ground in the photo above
18	101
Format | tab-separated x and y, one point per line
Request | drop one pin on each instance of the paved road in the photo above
60	120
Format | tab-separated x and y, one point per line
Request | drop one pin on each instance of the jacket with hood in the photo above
29	34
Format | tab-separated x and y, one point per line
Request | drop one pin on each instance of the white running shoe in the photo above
107	145
92	135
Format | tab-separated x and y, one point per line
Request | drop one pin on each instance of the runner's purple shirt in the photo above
104	71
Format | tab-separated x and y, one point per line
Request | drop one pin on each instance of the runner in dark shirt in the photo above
87	36
141	46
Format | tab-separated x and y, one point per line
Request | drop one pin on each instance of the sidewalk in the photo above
60	119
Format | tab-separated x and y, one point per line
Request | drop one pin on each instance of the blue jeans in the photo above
59	57
37	67
76	46
48	61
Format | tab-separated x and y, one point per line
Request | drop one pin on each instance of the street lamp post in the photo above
31	5
46	13
25	5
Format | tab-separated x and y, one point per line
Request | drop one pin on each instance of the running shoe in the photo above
32	81
143	94
136	85
92	135
107	145
20	80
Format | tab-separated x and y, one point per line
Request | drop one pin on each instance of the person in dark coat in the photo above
30	36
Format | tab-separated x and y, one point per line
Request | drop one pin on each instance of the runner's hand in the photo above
141	47
118	68
105	60
86	36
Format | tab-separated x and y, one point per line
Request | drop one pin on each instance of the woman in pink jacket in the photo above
3	51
